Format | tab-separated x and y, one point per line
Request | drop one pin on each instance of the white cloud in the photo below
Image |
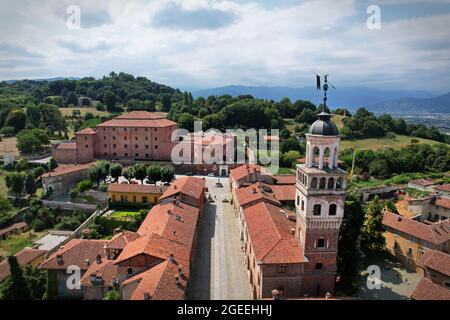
258	45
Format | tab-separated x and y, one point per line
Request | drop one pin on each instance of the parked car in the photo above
189	174
211	174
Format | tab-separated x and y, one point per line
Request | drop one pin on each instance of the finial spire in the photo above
325	88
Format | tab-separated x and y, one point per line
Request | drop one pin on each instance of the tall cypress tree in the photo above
15	287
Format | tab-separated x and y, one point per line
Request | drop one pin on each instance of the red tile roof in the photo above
105	271
153	245
24	257
67	169
270	234
436	260
242	171
121	240
176	222
140	119
86	131
66	146
162	282
427	290
136	188
422	182
285	179
141	115
190	186
443	202
79	252
18	225
255	193
444	187
436	233
284	192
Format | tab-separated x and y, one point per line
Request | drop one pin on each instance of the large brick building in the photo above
138	135
293	253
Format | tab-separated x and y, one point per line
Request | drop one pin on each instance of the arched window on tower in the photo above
322	183
332	210
330	183
339	183
319	266
317	209
316	155
326	157
314	183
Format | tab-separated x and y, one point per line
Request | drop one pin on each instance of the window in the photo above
137	155
134	198
156	147
85	138
314	183
146	146
124	129
135	129
126	146
114	137
126	154
144	199
282	268
303	204
146	155
322	183
410	251
331	183
114	129
104	137
87	146
146	129
113	197
447	284
130	270
319	266
339	183
135	138
105	145
317	209
321	243
146	138
104	129
298	200
156	129
125	138
114	154
332	210
105	154
156	138
114	145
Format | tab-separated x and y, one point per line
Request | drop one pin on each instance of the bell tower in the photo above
320	196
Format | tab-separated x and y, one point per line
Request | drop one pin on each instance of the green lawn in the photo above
124	214
285	171
374	144
15	243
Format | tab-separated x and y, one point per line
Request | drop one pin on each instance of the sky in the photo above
195	44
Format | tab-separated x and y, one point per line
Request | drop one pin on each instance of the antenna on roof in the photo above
325	88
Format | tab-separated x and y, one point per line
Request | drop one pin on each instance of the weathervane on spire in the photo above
325	88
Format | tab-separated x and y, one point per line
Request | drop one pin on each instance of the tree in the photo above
112	295
348	251
167	173
140	172
289	159
99	172
128	173
30	184
16	119
306	116
52	164
36	280
154	174
15	287
15	182
110	99
379	168
166	102
29	141
115	171
372	234
186	121
22	165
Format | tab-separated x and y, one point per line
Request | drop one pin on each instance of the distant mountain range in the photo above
46	79
376	100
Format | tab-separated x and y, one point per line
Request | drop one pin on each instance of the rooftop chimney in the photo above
146	296
177	279
88	262
171	257
59	258
98	258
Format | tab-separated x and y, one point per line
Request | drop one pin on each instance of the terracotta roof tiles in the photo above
428	290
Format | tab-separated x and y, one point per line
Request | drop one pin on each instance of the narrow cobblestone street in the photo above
218	271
